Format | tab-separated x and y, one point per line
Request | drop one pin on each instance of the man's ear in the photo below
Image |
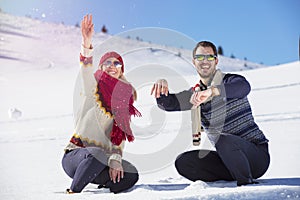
193	60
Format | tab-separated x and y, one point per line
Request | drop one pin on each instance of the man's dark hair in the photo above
205	44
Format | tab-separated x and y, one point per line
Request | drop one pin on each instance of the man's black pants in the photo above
234	159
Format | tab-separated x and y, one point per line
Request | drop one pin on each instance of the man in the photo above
219	104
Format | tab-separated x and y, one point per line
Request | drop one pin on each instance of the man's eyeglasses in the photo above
108	63
201	57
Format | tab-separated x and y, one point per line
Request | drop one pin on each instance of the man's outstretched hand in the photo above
160	87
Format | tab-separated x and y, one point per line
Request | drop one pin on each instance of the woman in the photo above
94	153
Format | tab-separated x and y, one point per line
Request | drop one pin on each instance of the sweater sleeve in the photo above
175	102
234	86
116	153
87	71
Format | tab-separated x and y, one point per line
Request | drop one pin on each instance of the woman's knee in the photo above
131	177
69	165
131	173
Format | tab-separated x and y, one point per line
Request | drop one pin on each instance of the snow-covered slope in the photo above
39	66
28	40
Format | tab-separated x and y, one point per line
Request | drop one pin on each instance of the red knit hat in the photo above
112	54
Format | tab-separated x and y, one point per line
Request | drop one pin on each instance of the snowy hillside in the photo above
28	45
27	40
39	66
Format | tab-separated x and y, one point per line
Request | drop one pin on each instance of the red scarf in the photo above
117	98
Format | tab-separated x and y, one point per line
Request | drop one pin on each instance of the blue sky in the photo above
263	31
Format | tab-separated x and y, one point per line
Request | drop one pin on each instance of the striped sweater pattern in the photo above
231	116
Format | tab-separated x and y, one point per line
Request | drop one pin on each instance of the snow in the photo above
39	67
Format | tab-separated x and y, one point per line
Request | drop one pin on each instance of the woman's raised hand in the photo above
87	30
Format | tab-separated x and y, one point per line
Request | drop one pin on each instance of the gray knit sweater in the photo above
229	113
